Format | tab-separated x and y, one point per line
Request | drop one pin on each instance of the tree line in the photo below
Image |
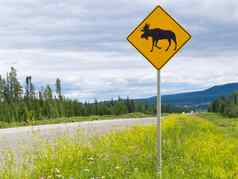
25	103
225	105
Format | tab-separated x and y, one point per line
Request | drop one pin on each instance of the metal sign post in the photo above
159	136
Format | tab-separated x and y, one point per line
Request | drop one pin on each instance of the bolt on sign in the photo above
159	37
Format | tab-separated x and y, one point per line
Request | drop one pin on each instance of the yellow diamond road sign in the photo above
159	37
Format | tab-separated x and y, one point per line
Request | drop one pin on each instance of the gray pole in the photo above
159	146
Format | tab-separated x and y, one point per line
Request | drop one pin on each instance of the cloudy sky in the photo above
84	43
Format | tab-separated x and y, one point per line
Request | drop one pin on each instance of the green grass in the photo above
117	155
71	119
228	125
194	147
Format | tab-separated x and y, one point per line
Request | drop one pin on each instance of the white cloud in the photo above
202	71
104	75
90	75
217	11
84	43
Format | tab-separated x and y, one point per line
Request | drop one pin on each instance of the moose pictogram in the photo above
158	34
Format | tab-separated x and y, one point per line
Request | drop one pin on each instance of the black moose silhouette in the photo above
158	34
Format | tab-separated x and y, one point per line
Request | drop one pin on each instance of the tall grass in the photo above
196	148
193	148
129	154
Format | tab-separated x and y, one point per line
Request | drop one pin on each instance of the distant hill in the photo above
196	98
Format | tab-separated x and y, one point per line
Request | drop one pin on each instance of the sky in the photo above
84	44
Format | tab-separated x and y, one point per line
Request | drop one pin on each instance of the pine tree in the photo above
58	88
48	93
15	88
2	87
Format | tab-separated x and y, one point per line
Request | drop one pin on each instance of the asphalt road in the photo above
19	138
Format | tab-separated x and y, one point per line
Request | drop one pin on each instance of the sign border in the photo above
158	6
